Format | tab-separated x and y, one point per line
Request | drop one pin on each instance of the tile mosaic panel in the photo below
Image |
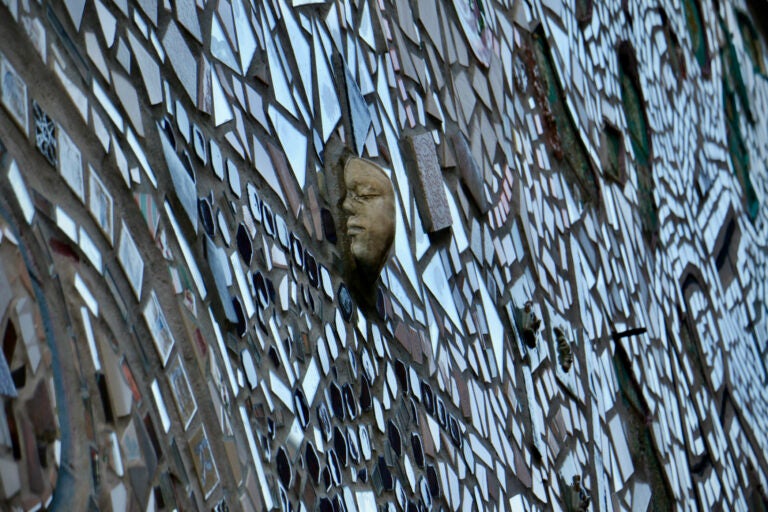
571	315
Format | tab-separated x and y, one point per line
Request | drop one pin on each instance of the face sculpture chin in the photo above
370	206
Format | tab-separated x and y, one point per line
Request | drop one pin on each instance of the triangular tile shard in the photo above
358	117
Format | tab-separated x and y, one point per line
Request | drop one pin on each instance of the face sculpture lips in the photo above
357	232
354	227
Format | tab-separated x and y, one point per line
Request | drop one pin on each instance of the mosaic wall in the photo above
383	255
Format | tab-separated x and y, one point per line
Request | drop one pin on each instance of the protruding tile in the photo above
470	172
428	183
356	107
186	13
182	59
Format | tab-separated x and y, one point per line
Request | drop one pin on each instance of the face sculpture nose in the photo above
347	205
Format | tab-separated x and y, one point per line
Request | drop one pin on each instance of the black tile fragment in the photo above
382	477
381	308
427	398
329	227
418	449
402	376
302	410
310	267
260	287
345	302
244	244
324	505
148	437
349	400
395	440
313	463
19	376
206	216
167	127
274	356
433	481
337	401
242	323
106	403
453	427
325	420
326	477
340	445
338	504
283	467
366	402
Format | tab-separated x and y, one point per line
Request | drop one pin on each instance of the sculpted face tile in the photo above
370	209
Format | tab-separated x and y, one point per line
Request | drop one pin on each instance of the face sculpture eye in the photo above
370	208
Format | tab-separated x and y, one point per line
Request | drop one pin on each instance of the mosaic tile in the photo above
128	97
430	197
356	106
75	10
97	57
220	47
150	71
182	178
45	135
471	173
186	14
71	164
182	60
